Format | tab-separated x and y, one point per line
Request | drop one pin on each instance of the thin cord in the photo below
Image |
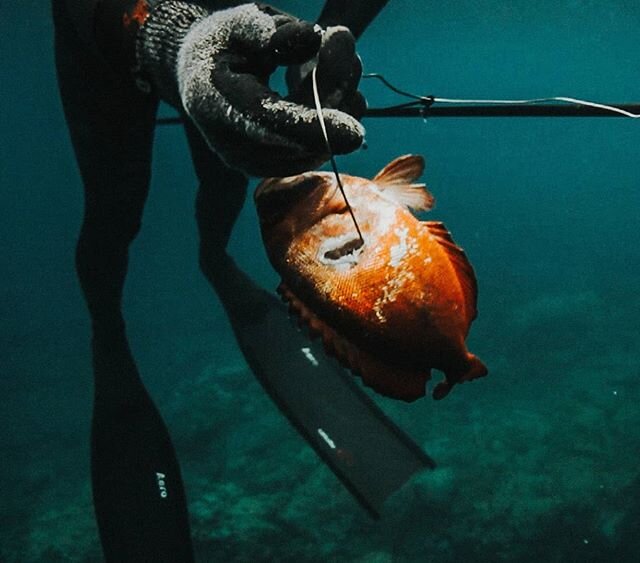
381	78
576	101
316	99
428	100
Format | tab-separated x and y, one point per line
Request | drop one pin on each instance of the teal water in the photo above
536	462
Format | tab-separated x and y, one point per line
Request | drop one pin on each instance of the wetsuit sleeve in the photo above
81	17
354	14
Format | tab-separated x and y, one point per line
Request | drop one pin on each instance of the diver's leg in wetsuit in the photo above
137	489
367	451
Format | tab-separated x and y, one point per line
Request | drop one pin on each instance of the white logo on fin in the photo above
309	355
162	484
326	438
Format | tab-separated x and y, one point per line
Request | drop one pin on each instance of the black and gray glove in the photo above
216	67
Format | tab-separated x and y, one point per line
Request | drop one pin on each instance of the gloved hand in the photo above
216	67
338	75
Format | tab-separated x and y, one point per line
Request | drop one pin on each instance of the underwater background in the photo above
539	461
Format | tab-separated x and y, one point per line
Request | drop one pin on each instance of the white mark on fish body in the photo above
377	306
399	250
386	215
390	292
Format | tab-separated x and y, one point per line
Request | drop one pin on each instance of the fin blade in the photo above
369	454
464	270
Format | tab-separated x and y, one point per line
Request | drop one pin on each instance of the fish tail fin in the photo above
474	369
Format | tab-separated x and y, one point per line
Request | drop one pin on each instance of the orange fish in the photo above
390	306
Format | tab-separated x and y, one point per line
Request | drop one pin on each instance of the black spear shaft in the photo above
502	110
425	111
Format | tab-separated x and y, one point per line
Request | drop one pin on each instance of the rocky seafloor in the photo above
537	462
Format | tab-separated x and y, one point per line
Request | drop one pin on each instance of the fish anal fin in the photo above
461	264
387	380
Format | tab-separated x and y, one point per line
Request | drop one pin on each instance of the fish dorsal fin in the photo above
397	179
463	268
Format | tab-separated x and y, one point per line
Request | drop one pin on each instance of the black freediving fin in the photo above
370	455
138	494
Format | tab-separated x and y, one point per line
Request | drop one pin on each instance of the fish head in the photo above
308	214
306	219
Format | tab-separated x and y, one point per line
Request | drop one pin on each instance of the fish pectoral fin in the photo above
461	264
402	170
387	380
397	180
474	369
413	196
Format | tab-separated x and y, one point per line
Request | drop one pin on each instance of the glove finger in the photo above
274	164
355	105
281	147
249	105
278	157
269	37
294	43
339	67
301	124
338	75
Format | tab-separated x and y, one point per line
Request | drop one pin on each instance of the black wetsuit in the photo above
138	492
112	124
